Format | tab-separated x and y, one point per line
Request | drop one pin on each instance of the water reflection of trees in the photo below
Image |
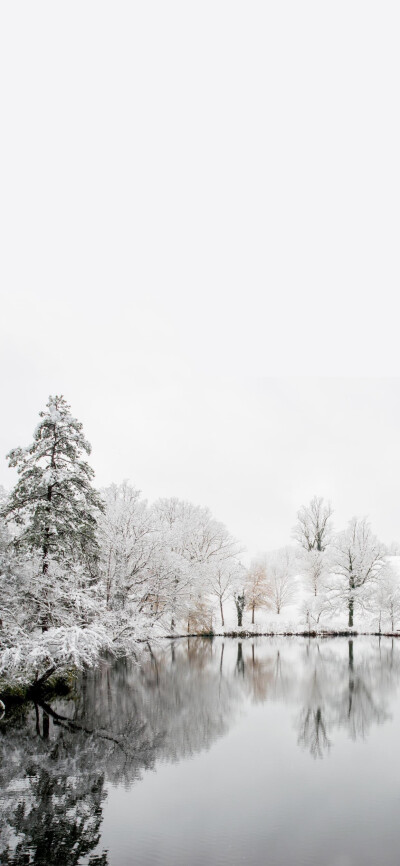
345	686
118	722
174	701
51	809
340	684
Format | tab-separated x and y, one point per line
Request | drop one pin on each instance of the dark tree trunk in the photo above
351	601
37	719
222	613
46	541
239	601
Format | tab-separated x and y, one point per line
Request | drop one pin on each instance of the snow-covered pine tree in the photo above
54	505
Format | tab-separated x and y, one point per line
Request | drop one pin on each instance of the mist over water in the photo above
278	751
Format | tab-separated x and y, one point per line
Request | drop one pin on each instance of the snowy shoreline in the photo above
244	634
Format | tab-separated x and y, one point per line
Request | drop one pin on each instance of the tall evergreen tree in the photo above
54	504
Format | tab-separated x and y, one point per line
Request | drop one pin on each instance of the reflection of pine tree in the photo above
63	824
57	812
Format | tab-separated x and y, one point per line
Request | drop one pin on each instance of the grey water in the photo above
274	751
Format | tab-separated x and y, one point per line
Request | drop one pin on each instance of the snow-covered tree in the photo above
256	587
194	546
195	534
54	504
358	560
314	565
313	527
4	535
223	579
128	540
385	601
281	566
314	608
52	579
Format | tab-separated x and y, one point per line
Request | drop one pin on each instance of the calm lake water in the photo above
274	751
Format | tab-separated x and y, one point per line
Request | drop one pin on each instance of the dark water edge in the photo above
265	750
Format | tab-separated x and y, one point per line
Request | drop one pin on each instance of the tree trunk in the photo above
37	719
239	601
222	613
252	614
41	680
351	600
109	581
46	547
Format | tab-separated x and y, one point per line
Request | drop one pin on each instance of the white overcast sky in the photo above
199	209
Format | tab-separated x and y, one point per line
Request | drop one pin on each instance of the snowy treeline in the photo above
329	576
83	571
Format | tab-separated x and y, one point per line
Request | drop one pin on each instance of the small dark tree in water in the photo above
240	605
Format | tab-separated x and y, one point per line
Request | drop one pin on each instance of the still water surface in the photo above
269	753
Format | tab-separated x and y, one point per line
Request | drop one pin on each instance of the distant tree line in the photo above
338	571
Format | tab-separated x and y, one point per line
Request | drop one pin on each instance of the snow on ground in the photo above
293	617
